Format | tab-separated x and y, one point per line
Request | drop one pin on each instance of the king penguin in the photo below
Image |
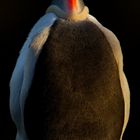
68	82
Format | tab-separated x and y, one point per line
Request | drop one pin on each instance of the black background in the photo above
18	16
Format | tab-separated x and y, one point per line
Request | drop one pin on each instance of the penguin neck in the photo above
73	10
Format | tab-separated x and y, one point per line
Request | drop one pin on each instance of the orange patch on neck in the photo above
72	5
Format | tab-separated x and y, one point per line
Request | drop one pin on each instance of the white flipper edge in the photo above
24	70
114	43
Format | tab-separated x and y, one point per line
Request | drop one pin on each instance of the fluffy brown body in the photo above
76	92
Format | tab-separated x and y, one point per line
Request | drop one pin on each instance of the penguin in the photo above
68	82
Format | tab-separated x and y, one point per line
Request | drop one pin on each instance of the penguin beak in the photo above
72	5
69	6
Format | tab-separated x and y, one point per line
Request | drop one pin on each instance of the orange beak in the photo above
72	4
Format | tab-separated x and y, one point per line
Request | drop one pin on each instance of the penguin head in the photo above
69	9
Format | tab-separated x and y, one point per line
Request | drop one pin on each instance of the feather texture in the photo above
115	45
24	70
23	73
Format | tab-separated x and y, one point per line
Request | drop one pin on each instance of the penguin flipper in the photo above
23	72
116	48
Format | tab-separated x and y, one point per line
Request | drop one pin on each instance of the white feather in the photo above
24	70
114	42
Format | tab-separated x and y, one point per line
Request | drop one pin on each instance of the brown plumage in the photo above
76	92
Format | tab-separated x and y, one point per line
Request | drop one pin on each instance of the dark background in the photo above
18	16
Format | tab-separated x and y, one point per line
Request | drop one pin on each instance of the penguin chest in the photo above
76	92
